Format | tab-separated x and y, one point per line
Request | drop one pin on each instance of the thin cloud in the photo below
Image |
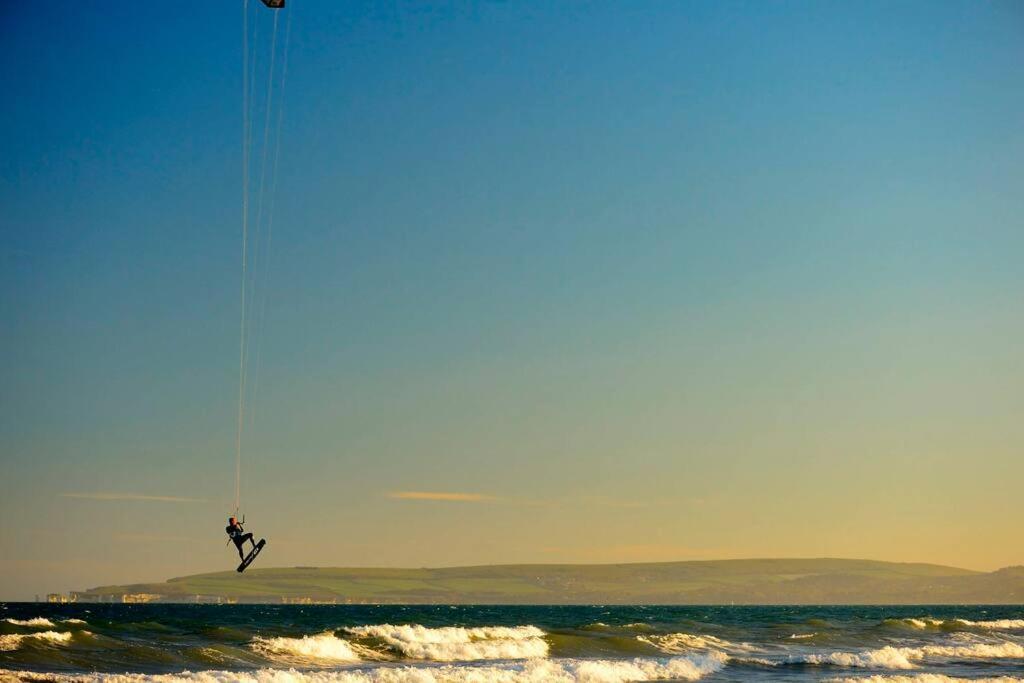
439	495
130	496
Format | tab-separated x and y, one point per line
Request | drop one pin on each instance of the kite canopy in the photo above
274	4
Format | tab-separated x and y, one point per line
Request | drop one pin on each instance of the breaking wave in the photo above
35	622
1001	650
322	648
921	623
890	657
916	622
883	658
995	624
454	643
15	640
690	668
41	622
680	643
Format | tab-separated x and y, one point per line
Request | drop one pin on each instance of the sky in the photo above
548	282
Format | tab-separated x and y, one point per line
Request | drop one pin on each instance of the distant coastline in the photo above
757	581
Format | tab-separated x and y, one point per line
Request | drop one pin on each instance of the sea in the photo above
107	643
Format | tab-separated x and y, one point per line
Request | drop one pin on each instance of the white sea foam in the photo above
931	622
689	668
905	657
74	621
321	648
15	640
802	636
883	658
457	644
995	624
1003	649
35	622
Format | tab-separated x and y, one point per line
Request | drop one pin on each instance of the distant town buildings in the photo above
195	599
132	598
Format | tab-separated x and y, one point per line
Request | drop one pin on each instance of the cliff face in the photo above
783	581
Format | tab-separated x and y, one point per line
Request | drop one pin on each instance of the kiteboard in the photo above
252	555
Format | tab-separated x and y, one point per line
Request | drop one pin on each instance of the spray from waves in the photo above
890	657
802	636
35	622
680	643
691	668
16	640
457	644
322	648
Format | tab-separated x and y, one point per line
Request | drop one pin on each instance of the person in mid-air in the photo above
238	535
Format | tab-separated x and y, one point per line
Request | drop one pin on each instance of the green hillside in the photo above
813	581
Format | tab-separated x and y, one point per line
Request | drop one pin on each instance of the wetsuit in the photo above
235	531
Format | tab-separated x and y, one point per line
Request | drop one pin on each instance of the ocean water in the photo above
506	644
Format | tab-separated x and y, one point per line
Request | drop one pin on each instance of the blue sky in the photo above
653	280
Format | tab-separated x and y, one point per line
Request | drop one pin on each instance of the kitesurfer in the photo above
237	533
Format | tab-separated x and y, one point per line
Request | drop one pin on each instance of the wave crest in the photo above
887	657
454	643
680	643
34	622
890	657
15	640
1001	650
916	622
325	647
995	624
921	623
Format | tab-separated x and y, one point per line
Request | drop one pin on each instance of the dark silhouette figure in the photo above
238	535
